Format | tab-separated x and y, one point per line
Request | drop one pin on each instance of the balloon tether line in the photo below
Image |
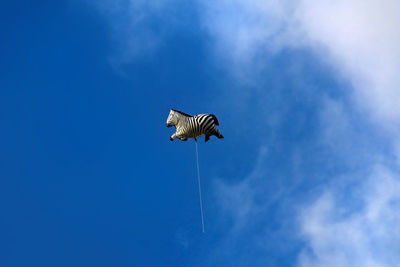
198	180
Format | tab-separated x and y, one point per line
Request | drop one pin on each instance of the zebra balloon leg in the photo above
188	126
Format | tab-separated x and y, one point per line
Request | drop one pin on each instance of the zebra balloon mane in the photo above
188	126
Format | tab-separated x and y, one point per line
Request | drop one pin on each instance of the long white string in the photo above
198	179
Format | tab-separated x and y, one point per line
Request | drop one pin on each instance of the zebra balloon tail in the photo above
215	119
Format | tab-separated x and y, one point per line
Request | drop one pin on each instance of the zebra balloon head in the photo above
172	119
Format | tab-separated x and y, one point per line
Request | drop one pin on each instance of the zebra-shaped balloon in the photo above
188	126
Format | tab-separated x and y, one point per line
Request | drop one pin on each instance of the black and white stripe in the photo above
188	126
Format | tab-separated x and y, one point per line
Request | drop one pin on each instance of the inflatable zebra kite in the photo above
188	126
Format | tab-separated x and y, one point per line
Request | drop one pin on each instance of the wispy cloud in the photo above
343	212
242	30
137	28
360	38
359	229
254	215
238	201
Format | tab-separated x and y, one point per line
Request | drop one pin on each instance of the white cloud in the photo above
338	234
243	26
360	38
241	30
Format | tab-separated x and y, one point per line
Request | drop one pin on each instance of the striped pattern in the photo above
188	126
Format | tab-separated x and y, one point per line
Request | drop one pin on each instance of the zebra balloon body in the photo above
188	126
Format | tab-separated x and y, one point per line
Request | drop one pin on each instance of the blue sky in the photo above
307	98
